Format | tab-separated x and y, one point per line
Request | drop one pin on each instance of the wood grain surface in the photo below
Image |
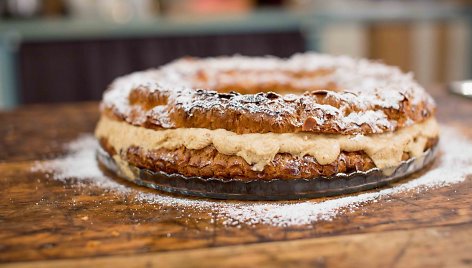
48	223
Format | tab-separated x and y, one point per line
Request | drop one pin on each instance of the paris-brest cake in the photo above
266	127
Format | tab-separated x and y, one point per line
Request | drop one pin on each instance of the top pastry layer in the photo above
305	93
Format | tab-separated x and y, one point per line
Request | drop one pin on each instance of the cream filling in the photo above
258	149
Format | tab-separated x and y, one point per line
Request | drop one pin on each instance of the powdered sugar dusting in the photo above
364	85
79	167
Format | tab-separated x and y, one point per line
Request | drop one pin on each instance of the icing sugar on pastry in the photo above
362	97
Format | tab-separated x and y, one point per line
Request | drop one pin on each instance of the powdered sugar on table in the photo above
80	168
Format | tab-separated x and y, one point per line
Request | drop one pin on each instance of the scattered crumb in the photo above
93	243
115	233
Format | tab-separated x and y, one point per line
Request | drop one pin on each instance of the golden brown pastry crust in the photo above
263	112
325	103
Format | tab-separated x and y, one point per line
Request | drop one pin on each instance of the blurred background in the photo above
70	50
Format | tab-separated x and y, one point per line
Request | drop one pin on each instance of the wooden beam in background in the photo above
392	43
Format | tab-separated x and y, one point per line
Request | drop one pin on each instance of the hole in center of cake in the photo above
255	81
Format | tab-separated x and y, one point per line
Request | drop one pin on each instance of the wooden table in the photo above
46	223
